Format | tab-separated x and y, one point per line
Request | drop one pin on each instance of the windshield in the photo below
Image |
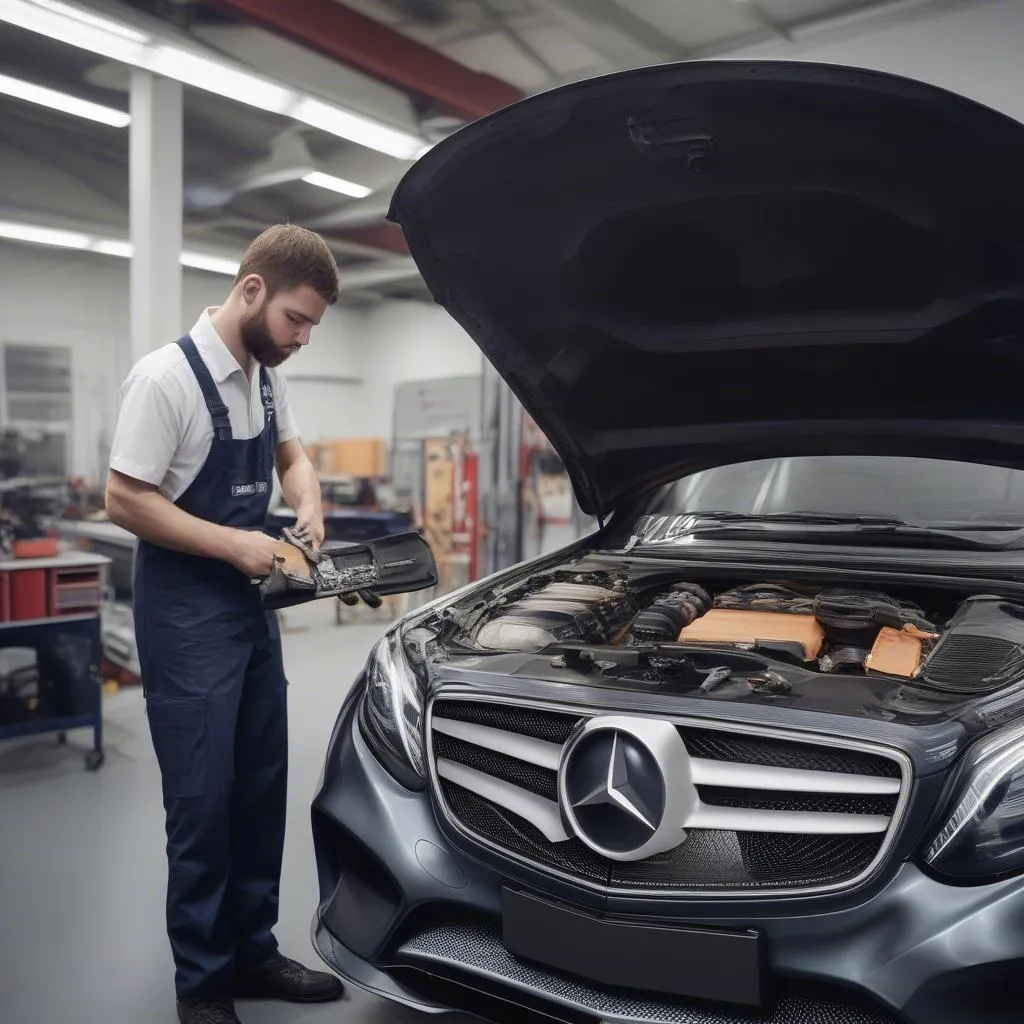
924	491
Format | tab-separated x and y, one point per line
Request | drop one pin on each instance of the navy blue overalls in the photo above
216	701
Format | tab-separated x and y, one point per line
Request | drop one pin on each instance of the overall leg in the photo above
194	688
259	803
258	828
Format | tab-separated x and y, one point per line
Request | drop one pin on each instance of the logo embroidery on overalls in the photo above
244	490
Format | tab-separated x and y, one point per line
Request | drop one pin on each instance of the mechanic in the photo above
202	425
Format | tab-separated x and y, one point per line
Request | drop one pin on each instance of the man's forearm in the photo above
150	516
301	488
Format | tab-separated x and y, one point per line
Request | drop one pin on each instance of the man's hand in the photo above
252	553
309	526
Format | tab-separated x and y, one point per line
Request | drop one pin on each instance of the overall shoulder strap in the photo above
267	395
214	403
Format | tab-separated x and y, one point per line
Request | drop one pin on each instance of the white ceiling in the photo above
535	44
531	44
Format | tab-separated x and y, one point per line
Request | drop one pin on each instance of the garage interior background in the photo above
143	143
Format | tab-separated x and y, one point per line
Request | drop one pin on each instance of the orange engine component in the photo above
896	652
735	626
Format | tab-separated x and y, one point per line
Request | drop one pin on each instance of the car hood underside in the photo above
697	264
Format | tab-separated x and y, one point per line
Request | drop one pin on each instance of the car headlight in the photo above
391	710
983	839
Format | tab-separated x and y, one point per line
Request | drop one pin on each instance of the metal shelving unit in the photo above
68	653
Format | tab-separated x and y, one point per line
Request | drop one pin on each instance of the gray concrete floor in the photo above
82	872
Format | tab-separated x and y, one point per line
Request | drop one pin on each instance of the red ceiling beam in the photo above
385	236
336	31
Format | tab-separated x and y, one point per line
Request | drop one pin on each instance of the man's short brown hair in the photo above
286	257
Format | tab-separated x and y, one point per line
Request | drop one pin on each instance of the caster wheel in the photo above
94	759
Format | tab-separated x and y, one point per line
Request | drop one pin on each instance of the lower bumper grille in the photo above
475	949
780	814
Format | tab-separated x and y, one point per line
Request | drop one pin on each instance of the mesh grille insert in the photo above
541	781
542	725
826	803
715	745
512	833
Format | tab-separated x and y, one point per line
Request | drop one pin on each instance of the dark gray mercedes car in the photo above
755	749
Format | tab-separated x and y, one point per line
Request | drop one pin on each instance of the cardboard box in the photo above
359	457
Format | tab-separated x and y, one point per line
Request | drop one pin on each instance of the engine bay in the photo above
767	635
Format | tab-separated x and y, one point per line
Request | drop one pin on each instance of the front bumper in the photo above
406	915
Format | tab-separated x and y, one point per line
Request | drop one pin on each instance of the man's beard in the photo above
258	342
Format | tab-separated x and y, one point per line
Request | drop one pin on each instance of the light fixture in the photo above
112	247
329	181
43	235
356	128
36	234
74	26
33	93
214	264
92	20
219	78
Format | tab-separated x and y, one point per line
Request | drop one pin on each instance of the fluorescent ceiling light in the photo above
215	264
92	20
346	188
39	235
356	128
112	247
62	101
43	236
222	79
74	26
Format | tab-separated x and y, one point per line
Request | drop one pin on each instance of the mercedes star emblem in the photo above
625	786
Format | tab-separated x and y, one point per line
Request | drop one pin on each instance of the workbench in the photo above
62	645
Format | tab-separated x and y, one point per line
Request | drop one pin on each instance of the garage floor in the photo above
82	874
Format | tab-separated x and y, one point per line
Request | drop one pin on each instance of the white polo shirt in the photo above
164	430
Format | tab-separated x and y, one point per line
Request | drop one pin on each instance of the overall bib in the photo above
215	693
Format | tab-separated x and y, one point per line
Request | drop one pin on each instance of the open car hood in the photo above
696	264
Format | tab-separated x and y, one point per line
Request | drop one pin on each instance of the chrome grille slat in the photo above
839	822
728	774
542	814
525	748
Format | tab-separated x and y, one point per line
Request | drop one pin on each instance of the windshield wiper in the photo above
823	526
812	518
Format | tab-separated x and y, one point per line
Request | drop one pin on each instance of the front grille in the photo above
495	772
475	949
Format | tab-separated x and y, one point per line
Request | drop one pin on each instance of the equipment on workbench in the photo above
401	564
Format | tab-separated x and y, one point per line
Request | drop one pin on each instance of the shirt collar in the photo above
222	364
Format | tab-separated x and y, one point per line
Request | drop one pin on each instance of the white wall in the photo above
409	341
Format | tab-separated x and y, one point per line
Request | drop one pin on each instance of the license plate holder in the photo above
676	960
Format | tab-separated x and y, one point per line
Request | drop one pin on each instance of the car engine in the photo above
968	644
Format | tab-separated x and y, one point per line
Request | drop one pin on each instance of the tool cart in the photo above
50	647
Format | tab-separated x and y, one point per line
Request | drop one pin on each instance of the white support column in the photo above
156	213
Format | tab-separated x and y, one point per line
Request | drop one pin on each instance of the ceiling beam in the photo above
334	30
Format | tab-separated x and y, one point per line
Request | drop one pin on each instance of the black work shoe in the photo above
281	978
207	1011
